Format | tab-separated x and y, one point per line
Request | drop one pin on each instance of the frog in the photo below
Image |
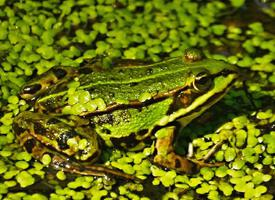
77	112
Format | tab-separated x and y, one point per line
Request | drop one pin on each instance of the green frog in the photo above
77	111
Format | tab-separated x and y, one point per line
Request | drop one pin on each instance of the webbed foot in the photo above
166	157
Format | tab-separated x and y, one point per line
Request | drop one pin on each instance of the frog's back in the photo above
123	85
145	82
127	86
135	82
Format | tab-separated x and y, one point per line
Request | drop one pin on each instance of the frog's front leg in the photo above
71	149
166	156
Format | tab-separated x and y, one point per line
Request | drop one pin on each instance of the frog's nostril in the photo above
59	73
31	89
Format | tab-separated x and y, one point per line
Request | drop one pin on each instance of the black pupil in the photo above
202	80
31	89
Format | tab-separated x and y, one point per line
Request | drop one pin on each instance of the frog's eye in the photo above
202	82
31	89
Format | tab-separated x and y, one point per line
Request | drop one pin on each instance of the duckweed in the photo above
267	160
23	156
258	191
265	115
207	173
5	153
32	39
170	195
46	159
213	195
193	182
249	191
221	171
22	164
259	177
10	174
241	136
82	144
24	179
36	196
238	164
127	168
230	154
157	171
204	189
10	183
61	175
240	122
219	156
3	168
226	188
249	155
168	179
3	188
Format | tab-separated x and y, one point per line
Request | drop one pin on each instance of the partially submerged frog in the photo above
76	111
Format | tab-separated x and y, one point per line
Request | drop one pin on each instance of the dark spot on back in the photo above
29	144
130	141
31	89
52	121
139	9
105	119
63	138
177	163
39	129
50	105
17	129
110	118
133	84
59	72
85	70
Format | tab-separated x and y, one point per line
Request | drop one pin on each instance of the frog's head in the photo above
37	86
208	81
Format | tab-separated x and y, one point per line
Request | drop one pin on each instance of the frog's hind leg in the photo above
166	157
68	148
60	162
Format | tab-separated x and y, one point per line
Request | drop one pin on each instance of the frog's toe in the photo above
177	162
203	163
